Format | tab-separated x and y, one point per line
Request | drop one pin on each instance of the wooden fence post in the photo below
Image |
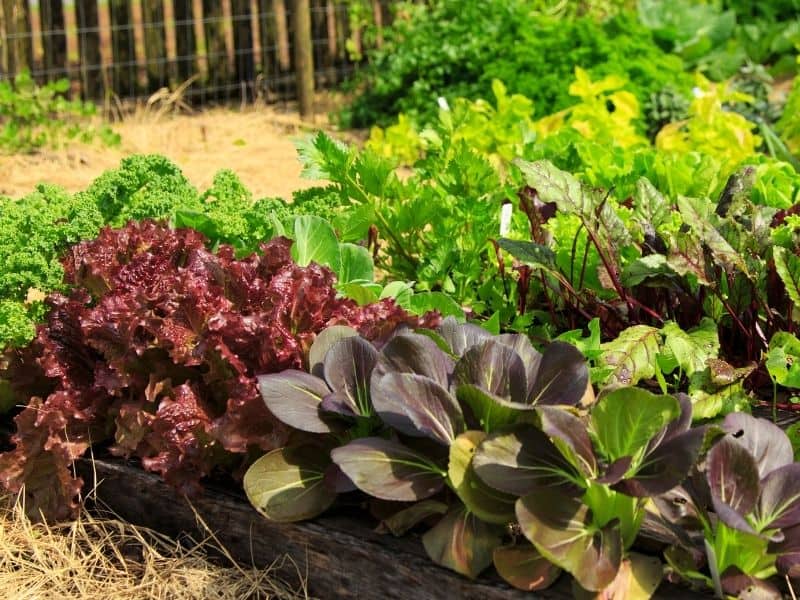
303	57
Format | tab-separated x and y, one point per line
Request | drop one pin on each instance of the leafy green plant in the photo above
582	510
750	481
402	424
32	116
456	48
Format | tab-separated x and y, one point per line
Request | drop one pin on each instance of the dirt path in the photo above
258	144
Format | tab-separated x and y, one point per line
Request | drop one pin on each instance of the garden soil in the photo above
257	143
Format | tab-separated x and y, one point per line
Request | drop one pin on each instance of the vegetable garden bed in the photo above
341	555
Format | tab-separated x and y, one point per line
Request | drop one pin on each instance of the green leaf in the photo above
783	359
625	420
462	542
572	197
632	356
388	470
690	350
287	485
532	254
698	218
524	567
788	267
355	264
315	241
422	302
652	265
481	500
361	292
491	412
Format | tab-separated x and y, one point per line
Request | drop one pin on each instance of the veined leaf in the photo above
689	349
484	502
788	267
632	356
700	222
348	366
388	470
355	264
571	197
294	397
783	359
625	420
521	459
287	484
417	406
315	241
734	483
560	527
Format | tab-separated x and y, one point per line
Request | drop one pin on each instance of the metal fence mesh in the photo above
222	50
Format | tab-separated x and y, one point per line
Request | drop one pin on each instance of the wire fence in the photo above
220	50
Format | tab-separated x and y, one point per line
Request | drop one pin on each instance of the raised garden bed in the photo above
341	557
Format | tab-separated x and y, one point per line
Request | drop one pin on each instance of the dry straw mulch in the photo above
104	558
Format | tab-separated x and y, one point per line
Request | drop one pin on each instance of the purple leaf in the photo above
414	353
348	367
733	480
765	441
418	406
388	470
294	397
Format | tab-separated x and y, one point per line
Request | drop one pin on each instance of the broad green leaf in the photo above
788	267
294	397
652	265
632	356
690	350
362	293
400	522
481	500
422	302
625	420
388	470
287	484
561	528
783	359
490	411
524	567
315	241
462	542
356	264
400	291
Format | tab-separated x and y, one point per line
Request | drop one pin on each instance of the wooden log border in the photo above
342	557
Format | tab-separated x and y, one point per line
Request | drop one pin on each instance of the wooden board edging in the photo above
342	557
